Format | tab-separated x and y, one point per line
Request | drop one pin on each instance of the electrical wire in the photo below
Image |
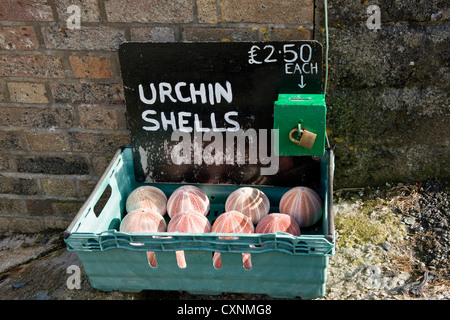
326	58
326	47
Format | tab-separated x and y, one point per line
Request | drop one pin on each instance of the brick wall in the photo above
62	109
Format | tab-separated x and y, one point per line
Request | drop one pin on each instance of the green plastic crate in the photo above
282	265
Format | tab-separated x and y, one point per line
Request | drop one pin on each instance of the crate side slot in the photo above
94	196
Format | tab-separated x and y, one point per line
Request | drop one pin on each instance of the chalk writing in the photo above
182	121
290	53
183	92
295	56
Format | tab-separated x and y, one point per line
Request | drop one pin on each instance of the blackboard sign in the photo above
203	112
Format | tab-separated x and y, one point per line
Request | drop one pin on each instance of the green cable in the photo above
326	59
327	47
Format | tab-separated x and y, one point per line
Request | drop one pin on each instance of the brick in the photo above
277	34
148	11
27	92
101	93
16	224
86	38
219	34
154	34
37	117
66	208
7	10
94	142
257	11
59	187
100	118
25	10
43	141
4	162
90	67
100	163
22	186
89	10
31	66
207	11
52	165
86	187
9	206
56	224
11	140
2	90
39	207
18	38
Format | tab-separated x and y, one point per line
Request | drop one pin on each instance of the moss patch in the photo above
373	223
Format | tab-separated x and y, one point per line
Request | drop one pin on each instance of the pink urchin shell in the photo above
278	222
246	260
149	197
144	220
188	198
232	222
188	222
252	202
303	204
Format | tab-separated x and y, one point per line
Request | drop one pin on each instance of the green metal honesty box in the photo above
294	113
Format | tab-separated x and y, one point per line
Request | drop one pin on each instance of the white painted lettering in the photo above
210	93
145	117
200	92
287	68
182	122
143	98
235	123
187	121
314	68
165	90
172	121
214	124
222	93
178	92
302	52
198	125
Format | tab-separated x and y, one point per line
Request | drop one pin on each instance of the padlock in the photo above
302	137
307	139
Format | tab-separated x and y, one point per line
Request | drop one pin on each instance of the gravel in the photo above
406	255
431	215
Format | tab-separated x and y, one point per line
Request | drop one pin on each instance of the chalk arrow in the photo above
302	85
